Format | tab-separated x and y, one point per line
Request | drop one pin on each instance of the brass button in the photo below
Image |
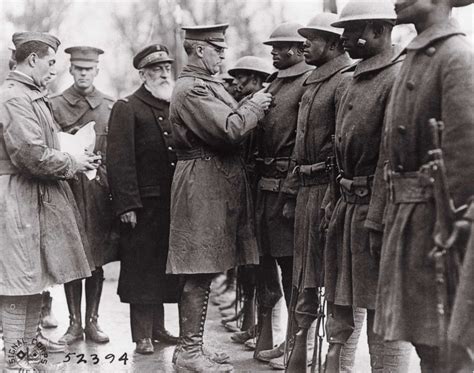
160	118
410	85
173	164
400	168
430	51
349	106
170	148
166	133
402	129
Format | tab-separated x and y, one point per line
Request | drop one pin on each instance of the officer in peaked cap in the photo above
211	218
73	108
141	163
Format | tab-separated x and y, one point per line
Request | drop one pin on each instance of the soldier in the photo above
141	166
351	258
276	190
78	105
249	73
211	208
435	82
313	147
42	242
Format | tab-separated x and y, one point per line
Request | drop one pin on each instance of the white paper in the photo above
82	140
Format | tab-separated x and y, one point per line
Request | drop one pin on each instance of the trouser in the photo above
144	319
460	361
344	326
306	310
268	281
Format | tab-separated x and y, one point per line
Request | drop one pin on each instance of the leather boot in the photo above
75	332
93	292
47	318
249	313
51	346
274	353
160	334
265	332
333	358
299	355
189	356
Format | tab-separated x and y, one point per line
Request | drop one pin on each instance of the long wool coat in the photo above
316	124
212	225
42	240
434	82
351	271
72	111
140	165
276	139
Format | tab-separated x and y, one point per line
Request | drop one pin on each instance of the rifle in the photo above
449	241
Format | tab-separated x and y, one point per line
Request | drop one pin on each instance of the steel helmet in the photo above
251	63
286	32
321	22
366	10
459	3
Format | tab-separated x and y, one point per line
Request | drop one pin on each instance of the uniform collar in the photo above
72	96
435	32
197	72
329	69
28	81
378	62
144	95
296	70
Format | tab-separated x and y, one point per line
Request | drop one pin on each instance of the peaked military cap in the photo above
20	38
84	56
213	34
150	55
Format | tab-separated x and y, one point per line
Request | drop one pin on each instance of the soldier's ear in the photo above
96	71
70	69
141	73
199	50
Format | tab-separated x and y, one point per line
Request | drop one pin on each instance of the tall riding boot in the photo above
75	332
159	333
248	321
189	356
298	360
265	331
47	318
93	293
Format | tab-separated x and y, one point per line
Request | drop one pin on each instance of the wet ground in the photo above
118	355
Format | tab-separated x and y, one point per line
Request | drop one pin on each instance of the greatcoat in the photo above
435	82
140	165
276	141
72	111
212	227
351	271
42	240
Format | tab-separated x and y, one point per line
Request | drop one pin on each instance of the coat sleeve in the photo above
458	116
213	121
25	143
121	161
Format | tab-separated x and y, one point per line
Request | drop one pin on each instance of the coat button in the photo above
402	129
400	168
166	133
170	148
430	51
410	85
173	164
349	106
160	118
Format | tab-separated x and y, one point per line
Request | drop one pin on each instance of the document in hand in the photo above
83	140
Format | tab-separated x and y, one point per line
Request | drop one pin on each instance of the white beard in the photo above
161	91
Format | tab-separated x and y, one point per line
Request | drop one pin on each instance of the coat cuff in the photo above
254	108
372	225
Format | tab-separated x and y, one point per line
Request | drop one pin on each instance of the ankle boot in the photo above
159	333
265	332
299	355
93	292
75	332
333	358
47	318
189	356
51	346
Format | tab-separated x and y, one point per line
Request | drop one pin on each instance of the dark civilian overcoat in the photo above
72	111
212	225
351	271
435	82
140	165
316	124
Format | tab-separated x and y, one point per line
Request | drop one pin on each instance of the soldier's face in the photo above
315	49
45	68
83	76
283	55
212	57
412	11
245	84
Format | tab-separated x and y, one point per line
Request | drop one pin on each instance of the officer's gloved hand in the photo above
375	242
129	218
262	99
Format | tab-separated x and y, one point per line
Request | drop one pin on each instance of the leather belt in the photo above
269	184
197	153
356	190
409	187
7	168
312	174
273	167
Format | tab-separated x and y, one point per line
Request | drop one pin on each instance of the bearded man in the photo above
140	170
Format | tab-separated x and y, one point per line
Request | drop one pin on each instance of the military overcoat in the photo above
351	271
140	165
212	225
72	111
434	82
275	144
316	124
42	239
